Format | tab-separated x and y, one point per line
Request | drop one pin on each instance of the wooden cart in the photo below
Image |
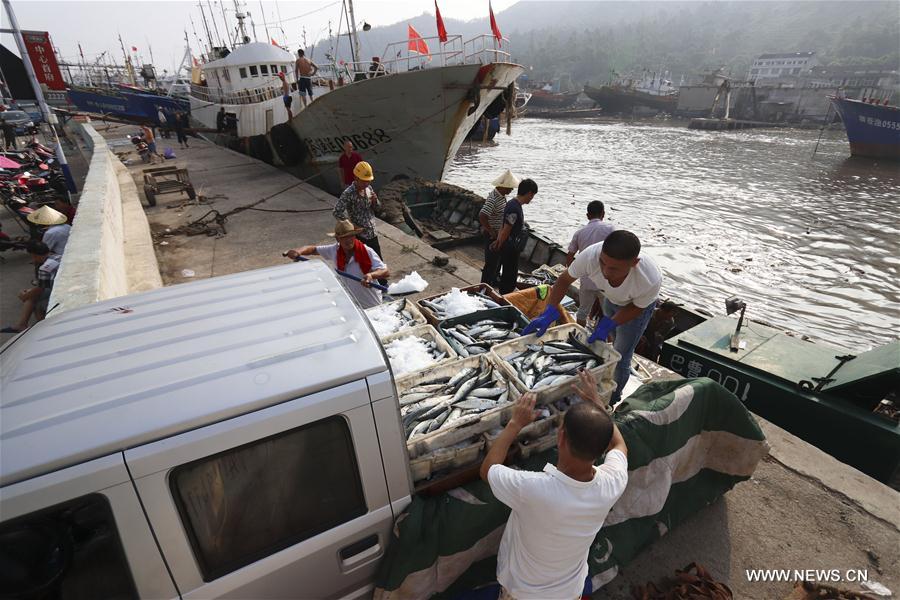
167	180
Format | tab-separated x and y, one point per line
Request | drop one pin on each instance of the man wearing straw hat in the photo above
56	236
491	219
353	257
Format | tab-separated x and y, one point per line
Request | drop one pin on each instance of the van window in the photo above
251	501
71	550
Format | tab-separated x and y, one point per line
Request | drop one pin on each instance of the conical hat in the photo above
47	216
507	180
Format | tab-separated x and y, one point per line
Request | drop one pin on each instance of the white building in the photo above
781	66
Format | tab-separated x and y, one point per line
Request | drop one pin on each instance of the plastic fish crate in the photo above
426	332
545	442
466	427
604	394
481	287
507	314
546	394
411	307
534	430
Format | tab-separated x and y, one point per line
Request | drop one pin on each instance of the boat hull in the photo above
127	105
406	125
547	100
613	99
872	130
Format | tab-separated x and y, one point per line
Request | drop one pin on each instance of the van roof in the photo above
124	372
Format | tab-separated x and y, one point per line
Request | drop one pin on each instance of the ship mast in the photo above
128	68
242	36
354	50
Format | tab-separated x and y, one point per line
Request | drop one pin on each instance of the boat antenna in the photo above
225	20
212	17
266	25
196	36
208	34
354	46
278	12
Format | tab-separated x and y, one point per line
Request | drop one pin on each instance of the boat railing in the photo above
484	49
246	96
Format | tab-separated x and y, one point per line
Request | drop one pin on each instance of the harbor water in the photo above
810	243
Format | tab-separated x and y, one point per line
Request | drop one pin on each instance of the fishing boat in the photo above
546	100
873	128
624	94
124	102
407	116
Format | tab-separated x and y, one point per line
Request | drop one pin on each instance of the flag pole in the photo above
49	117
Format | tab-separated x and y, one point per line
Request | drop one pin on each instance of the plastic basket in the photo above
507	314
425	332
466	427
411	307
481	287
546	394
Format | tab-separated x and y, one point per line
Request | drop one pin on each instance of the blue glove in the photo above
603	329
540	324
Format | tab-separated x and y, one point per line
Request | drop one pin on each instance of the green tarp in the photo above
689	441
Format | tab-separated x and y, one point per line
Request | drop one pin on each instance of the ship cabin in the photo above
247	75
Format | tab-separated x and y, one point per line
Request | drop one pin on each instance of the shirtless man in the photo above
286	95
304	69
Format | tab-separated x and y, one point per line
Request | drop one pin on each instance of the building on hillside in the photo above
854	76
781	66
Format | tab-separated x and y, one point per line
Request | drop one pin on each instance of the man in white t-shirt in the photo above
351	256
556	513
630	284
594	232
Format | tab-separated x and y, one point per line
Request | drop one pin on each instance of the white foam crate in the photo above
548	393
465	427
426	332
410	306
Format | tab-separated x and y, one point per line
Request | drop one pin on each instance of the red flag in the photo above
416	43
494	27
274	43
133	49
442	31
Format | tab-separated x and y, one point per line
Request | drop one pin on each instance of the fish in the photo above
413	398
476	404
458	402
552	362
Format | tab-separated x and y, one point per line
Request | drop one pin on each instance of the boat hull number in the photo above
364	140
694	368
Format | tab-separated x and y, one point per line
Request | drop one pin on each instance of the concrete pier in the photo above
801	510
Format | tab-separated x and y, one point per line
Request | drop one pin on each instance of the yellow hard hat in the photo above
363	170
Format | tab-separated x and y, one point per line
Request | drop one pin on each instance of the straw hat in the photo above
47	216
344	228
507	180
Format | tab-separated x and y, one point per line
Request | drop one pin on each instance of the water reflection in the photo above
809	242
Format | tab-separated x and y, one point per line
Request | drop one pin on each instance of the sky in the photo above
159	26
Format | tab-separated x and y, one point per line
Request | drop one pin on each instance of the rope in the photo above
212	223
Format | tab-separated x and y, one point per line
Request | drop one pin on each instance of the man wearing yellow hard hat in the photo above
357	203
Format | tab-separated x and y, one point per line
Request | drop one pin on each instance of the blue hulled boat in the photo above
872	129
133	104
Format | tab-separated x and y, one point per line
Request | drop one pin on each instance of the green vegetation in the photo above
688	38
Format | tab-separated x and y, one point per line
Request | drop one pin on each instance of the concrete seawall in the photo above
110	250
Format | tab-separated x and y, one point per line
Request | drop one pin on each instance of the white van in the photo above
234	437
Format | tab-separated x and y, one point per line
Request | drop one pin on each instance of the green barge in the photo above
842	403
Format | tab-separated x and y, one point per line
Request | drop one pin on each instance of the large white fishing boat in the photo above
407	118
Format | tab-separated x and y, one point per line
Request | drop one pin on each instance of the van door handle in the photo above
361	551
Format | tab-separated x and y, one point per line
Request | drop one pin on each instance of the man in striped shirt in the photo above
491	219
